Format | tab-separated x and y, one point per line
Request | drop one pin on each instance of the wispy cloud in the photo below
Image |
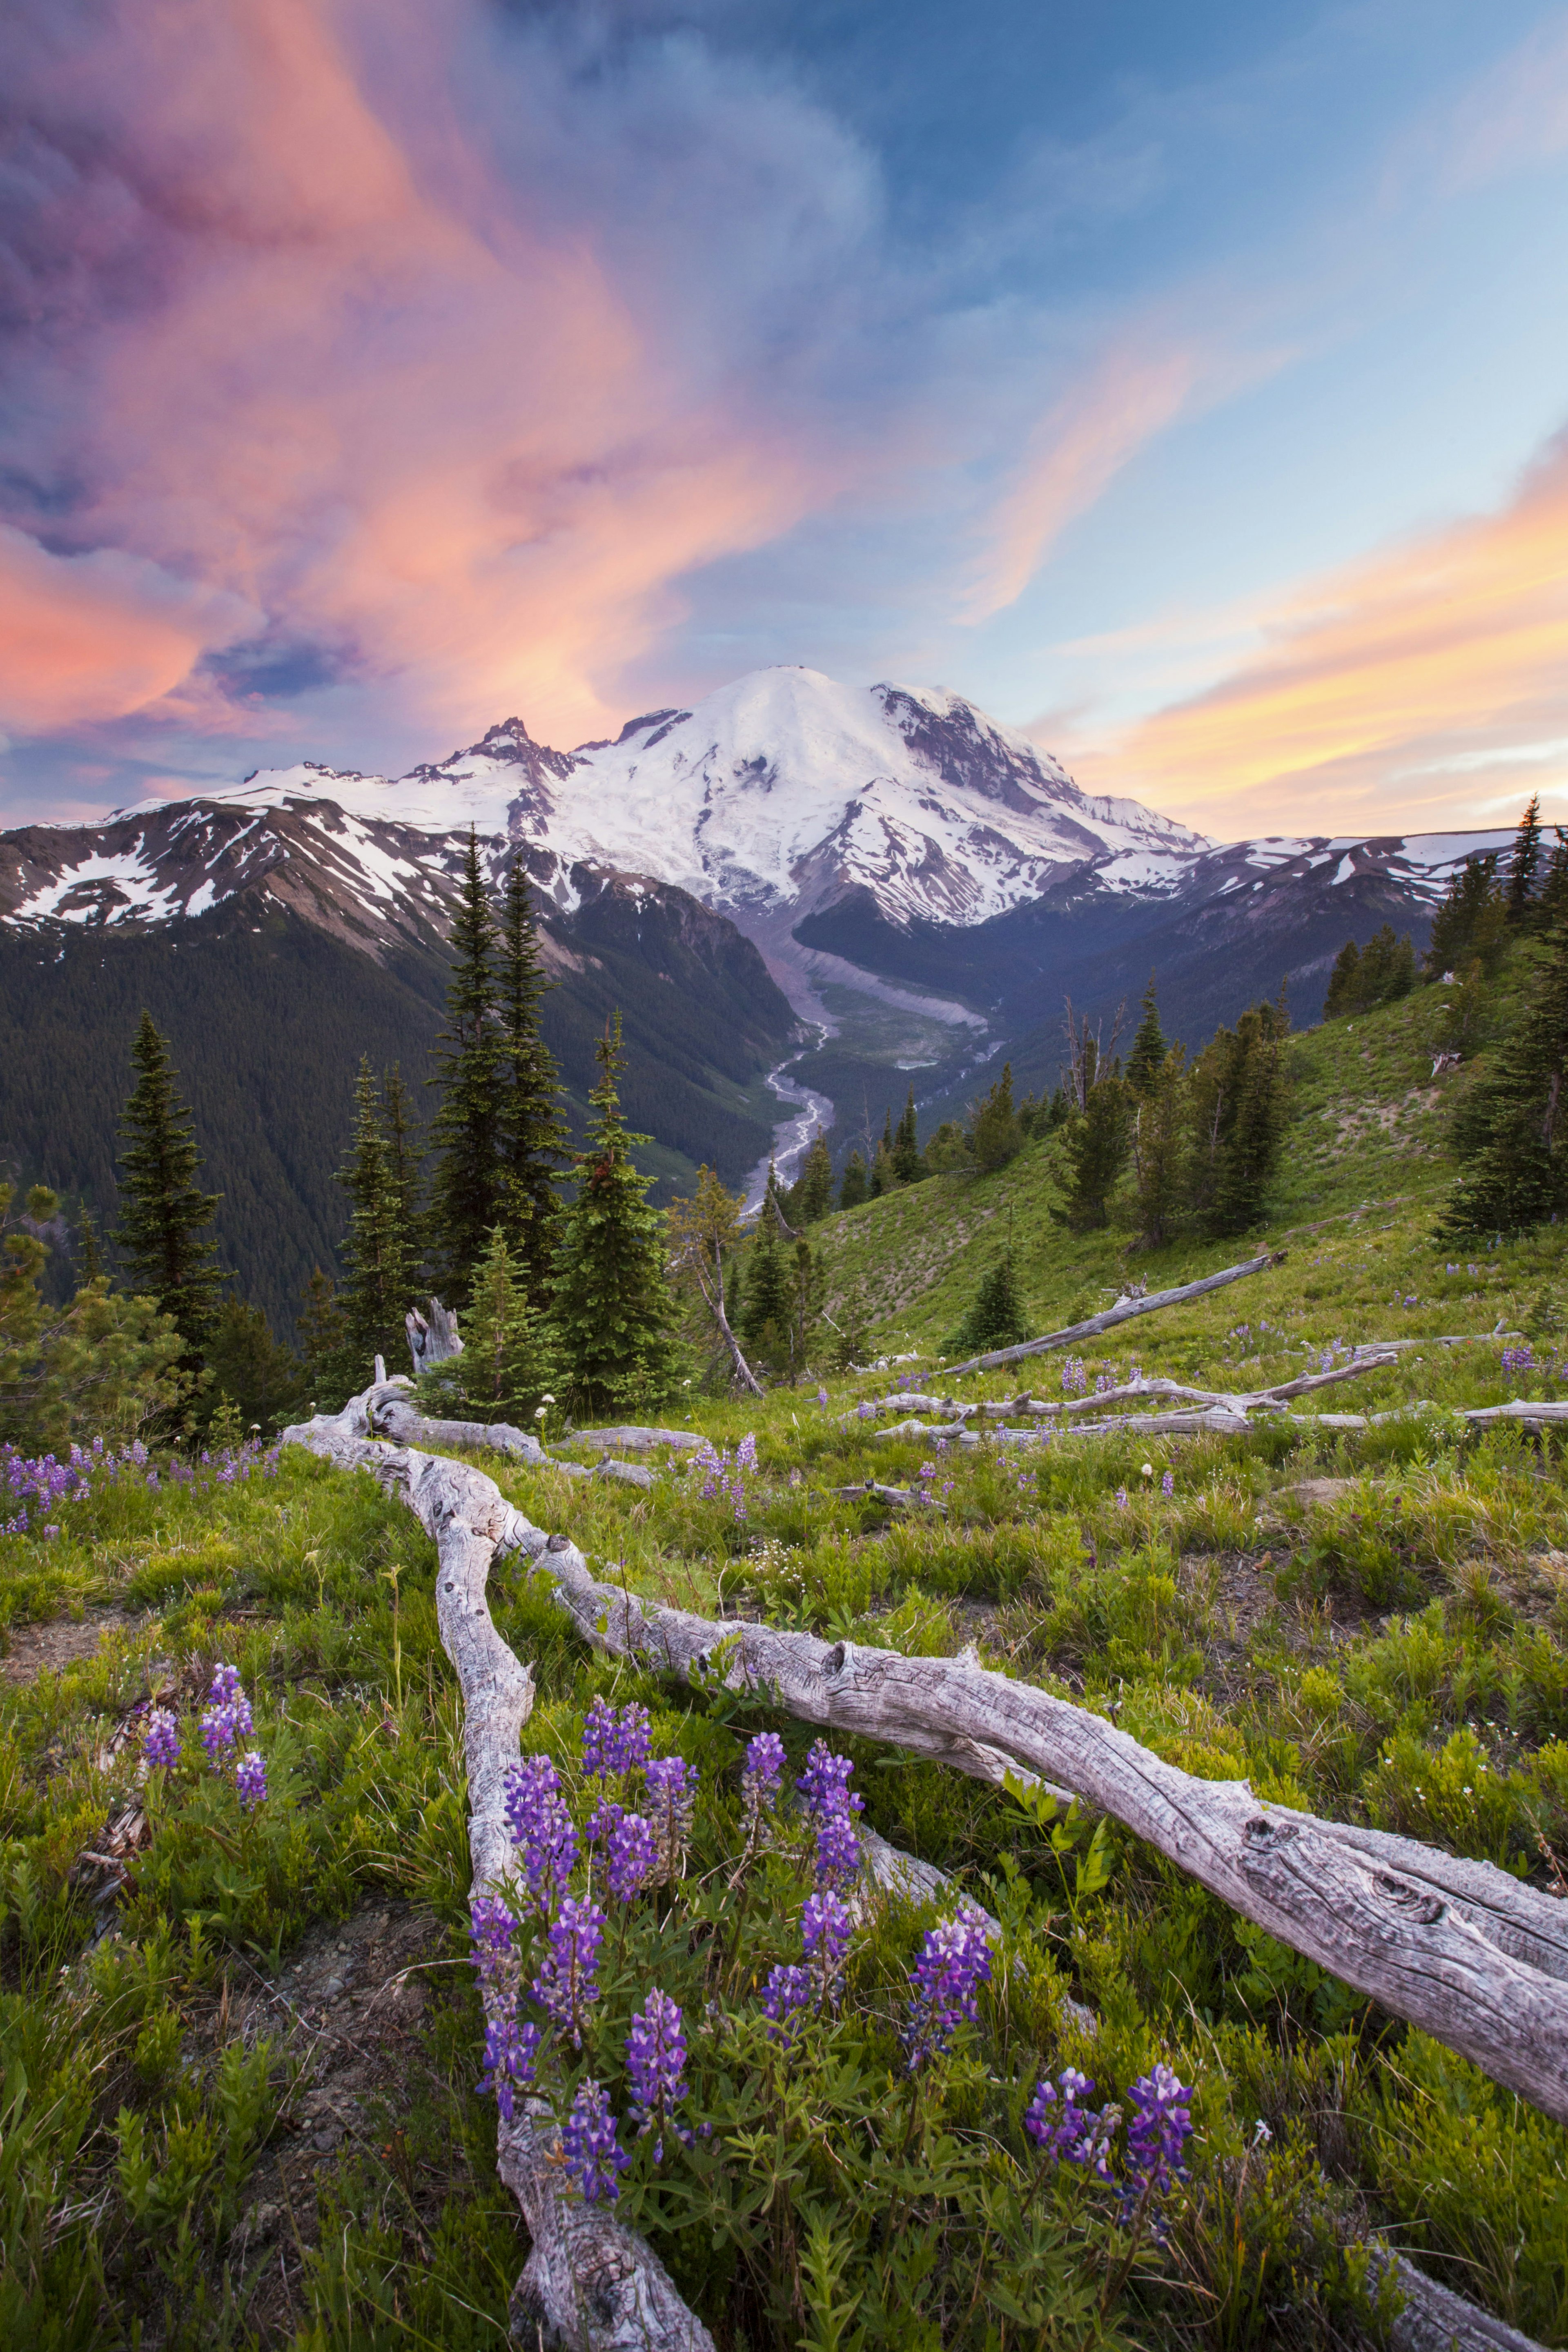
1425	686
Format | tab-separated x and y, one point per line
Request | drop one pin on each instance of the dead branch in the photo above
589	2284
1457	1948
1122	1312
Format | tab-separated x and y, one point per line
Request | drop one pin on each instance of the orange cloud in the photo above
378	395
87	637
1427	686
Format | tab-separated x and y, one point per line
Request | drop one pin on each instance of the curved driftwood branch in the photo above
589	2284
1122	1312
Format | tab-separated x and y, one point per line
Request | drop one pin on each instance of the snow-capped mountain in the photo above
775	795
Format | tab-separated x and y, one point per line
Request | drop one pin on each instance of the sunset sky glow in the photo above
1189	388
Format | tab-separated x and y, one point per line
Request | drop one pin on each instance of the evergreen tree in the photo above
1096	1147
1385	972
1552	907
908	1166
1344	982
403	1157
947	1152
854	1189
884	1177
1469	922
99	1365
258	1378
1522	864
1149	1046
1513	1132
613	1313
162	1210
532	1131
766	1316
996	1136
323	1345
379	1288
1160	1148
1239	1091
996	1318
468	1186
816	1187
508	1363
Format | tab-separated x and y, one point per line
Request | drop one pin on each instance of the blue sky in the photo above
1184	387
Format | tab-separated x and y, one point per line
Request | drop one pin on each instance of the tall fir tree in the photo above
163	1211
815	1189
1470	920
1096	1147
508	1365
1149	1048
379	1287
1160	1148
613	1315
1240	1095
908	1166
404	1158
324	1344
534	1132
1523	863
468	1192
1344	982
1513	1132
997	1135
259	1378
854	1190
766	1316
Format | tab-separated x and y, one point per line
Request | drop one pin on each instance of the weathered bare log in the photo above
626	1474
1433	2318
589	2284
1122	1312
1459	1948
902	1499
390	1414
433	1341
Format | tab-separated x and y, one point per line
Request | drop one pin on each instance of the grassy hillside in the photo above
1363	1168
242	2103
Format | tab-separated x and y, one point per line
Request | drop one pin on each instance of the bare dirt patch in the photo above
64	1642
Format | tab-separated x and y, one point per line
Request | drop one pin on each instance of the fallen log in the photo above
1459	1949
390	1413
633	1440
1122	1312
589	2284
902	1499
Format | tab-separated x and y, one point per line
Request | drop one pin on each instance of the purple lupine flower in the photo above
631	1857
1064	2127
593	2154
763	1768
671	1793
655	2065
1518	1359
824	1783
512	2059
822	1396
1122	1498
160	1743
825	1927
746	1453
1158	2129
837	1850
926	1473
787	1990
218	1733
542	1829
492	1931
567	1984
954	1962
250	1779
615	1739
864	1411
1168	1484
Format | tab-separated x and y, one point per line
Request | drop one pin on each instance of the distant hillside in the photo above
268	1014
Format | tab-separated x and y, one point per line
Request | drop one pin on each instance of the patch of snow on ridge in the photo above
101	889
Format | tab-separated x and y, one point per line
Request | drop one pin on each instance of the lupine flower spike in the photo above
672	1791
160	1742
655	2067
568	1984
953	1963
594	2157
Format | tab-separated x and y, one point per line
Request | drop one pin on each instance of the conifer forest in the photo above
967	1748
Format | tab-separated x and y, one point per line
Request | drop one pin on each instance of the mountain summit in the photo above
777	794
